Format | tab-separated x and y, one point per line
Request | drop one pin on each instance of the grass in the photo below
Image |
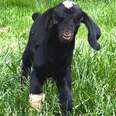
93	72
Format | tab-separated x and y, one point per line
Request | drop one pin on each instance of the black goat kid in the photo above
50	49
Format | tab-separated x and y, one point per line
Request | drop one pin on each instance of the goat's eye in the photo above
60	19
76	20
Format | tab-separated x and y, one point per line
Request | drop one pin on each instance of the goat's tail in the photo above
35	15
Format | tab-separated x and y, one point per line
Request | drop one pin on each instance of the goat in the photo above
49	50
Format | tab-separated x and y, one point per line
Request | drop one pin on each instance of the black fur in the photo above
49	52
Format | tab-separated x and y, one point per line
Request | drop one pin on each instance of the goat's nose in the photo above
67	33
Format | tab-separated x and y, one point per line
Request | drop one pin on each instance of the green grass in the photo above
93	72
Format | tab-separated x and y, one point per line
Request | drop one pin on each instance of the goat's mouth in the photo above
66	39
67	35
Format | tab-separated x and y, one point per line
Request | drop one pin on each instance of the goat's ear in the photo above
48	18
36	15
54	19
93	31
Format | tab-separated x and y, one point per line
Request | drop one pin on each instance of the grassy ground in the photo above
93	73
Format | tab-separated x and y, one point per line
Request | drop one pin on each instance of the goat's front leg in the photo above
26	65
36	96
64	87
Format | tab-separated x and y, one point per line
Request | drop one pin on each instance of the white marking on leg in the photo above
36	100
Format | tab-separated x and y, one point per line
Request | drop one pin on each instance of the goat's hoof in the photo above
36	101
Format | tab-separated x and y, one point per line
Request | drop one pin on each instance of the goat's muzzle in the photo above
67	35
